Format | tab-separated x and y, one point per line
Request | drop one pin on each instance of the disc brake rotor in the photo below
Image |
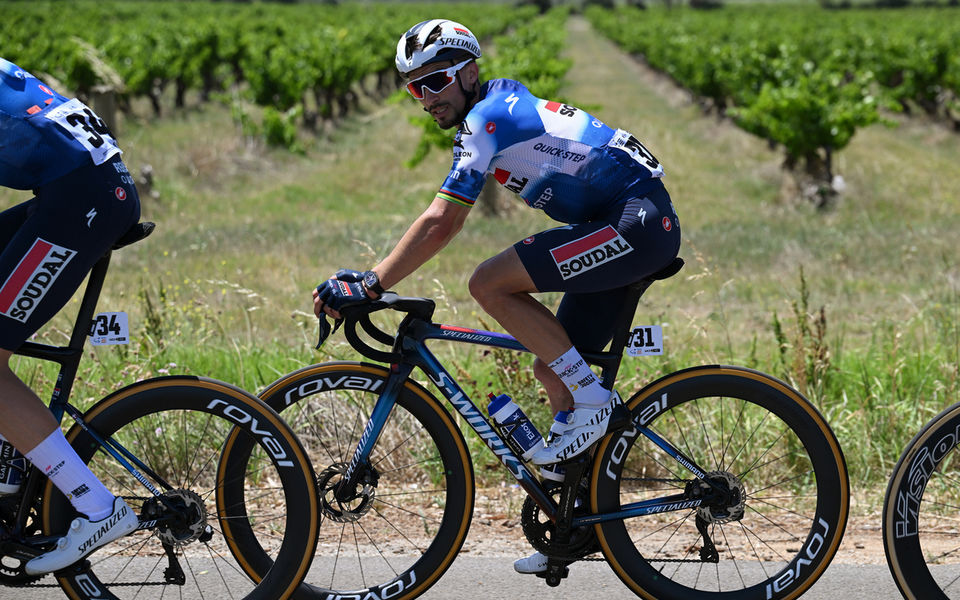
727	503
183	525
342	506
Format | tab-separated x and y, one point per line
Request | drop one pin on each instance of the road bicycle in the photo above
920	512
712	482
158	443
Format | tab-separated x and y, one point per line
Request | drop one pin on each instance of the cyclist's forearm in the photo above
429	234
418	245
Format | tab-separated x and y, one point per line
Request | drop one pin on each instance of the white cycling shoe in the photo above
83	537
531	565
584	426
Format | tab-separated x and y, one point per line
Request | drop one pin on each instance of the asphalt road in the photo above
494	578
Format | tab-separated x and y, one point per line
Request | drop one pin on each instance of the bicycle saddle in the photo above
135	234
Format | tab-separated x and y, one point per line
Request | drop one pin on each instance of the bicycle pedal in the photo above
554	574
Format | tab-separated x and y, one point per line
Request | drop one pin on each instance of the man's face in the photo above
449	105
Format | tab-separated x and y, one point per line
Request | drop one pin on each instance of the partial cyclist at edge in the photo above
601	182
84	201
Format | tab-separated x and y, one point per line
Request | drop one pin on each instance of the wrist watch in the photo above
372	281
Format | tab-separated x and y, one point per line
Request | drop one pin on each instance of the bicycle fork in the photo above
351	478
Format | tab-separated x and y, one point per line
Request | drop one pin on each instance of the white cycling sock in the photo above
574	372
59	462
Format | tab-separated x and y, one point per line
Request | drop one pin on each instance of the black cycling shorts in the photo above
49	243
594	262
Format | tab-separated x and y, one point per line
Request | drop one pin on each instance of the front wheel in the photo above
401	528
762	521
920	512
177	428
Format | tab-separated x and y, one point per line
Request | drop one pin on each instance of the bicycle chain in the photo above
683	481
130	584
659	560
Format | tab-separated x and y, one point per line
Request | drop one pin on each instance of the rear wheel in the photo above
763	521
402	527
177	427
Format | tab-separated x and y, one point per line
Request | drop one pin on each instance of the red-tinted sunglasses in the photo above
436	82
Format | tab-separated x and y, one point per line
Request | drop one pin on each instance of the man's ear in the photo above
471	73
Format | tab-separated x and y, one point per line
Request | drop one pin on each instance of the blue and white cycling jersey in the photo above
557	157
44	135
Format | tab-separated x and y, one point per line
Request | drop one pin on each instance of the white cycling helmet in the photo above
433	41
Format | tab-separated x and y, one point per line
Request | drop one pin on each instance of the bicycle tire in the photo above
920	512
177	426
741	426
399	543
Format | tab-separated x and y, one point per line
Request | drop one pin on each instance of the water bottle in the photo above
12	467
518	429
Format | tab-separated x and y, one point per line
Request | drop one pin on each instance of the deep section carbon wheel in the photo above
921	512
177	428
394	533
764	516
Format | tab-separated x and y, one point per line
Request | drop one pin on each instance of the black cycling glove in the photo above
338	293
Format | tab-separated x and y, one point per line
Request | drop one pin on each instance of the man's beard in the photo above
451	118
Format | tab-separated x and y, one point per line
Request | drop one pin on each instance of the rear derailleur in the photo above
722	500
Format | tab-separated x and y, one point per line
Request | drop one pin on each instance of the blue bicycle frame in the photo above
410	351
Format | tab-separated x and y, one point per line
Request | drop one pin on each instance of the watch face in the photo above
370	278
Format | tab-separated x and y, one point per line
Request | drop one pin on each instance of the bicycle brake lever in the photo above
326	330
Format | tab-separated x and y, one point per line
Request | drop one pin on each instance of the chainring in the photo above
12	571
540	530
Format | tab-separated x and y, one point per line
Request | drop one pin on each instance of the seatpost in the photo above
629	308
88	304
610	361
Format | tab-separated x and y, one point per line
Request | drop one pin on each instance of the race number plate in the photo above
623	140
86	128
645	340
110	328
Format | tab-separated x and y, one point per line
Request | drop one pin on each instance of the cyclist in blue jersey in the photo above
620	225
83	201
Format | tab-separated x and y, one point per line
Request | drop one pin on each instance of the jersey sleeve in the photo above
473	150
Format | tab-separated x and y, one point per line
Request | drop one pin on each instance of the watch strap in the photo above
372	281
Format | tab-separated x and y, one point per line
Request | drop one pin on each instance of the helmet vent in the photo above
413	44
434	35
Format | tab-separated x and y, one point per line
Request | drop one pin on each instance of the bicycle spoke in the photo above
216	565
376	547
736	564
402	534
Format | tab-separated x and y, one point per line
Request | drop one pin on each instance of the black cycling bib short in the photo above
84	200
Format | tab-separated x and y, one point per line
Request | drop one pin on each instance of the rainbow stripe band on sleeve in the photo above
455	198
